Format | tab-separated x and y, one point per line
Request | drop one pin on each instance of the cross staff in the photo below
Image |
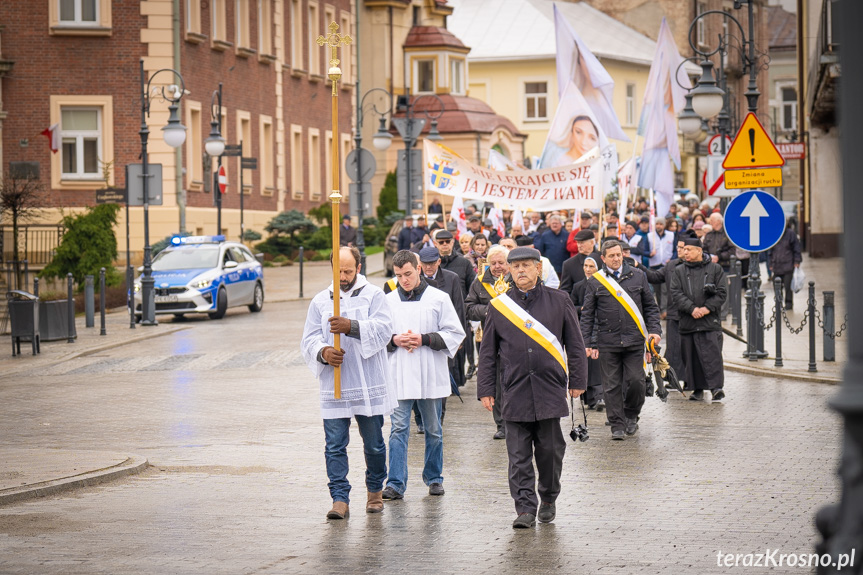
334	40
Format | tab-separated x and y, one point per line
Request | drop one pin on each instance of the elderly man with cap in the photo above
406	233
573	268
347	234
618	317
533	331
461	266
699	288
474	225
585	221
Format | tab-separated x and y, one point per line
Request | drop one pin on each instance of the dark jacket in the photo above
688	293
450	284
347	235
716	243
606	324
405	239
553	246
533	384
418	233
460	266
478	298
787	252
576	294
573	270
663	275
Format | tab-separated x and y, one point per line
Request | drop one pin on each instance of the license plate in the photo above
166	299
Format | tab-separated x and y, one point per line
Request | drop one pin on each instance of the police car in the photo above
204	274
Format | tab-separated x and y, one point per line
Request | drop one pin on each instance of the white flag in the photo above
456	214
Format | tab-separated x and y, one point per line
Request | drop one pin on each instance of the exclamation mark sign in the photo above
752	143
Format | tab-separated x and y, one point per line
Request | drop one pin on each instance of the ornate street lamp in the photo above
410	127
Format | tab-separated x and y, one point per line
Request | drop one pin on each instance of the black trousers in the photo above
658	289
786	287
543	442
467	350
594	382
673	352
622	383
702	353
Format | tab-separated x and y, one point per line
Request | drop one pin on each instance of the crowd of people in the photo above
564	305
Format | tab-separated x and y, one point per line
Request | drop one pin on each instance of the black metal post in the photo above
26	274
829	314
148	301
777	297
36	287
70	308
736	292
242	229
812	367
89	302
130	295
216	190
102	331
301	271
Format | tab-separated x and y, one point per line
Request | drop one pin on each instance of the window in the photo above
297	162
425	76
700	34
457	76
347	53
265	157
417	16
536	101
265	27
80	17
314	32
193	16
296	35
194	147
242	18
314	164
218	16
244	131
789	109
630	104
81	136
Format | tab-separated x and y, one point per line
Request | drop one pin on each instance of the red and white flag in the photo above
456	214
496	217
53	135
518	219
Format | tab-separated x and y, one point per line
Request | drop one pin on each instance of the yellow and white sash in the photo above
623	298
531	327
392	283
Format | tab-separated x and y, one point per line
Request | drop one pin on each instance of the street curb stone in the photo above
793	375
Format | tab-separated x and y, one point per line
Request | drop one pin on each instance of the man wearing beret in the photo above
573	268
699	288
532	330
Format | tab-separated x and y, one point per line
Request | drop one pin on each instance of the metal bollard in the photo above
102	301
26	274
812	367
301	271
777	297
130	295
89	302
734	286
738	295
70	300
36	287
829	326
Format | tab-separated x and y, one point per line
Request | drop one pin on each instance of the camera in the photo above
579	433
710	290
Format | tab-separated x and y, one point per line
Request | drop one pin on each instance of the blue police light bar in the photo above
186	240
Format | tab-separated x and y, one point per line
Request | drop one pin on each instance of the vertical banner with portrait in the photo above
575	133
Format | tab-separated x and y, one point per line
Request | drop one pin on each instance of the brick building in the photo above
74	65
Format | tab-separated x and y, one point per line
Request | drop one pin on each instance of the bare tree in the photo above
20	200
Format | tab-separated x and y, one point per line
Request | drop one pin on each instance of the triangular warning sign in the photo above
752	148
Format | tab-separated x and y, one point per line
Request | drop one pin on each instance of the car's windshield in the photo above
186	259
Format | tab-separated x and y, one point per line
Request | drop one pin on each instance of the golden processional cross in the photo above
334	40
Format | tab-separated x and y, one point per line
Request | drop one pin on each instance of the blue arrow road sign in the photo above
754	221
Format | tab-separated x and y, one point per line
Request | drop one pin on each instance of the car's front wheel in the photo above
258	303
221	305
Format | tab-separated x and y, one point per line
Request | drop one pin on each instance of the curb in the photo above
792	375
132	466
135	339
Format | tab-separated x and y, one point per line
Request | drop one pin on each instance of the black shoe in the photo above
618	435
420	430
499	434
471	371
436	489
608	423
547	511
631	426
389	494
718	395
697	395
591	406
600	405
789	306
524	521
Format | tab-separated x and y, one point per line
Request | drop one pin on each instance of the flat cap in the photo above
346	217
645	219
429	254
585	215
474	217
584	235
691	241
523	253
443	235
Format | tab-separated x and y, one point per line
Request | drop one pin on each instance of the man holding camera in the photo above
699	288
532	330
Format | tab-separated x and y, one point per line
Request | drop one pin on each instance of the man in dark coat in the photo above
460	266
528	328
573	268
420	231
552	243
613	335
783	258
347	234
482	291
406	234
717	244
699	288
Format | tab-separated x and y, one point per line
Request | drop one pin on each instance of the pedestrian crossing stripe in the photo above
531	327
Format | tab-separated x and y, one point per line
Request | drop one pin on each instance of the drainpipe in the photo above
178	153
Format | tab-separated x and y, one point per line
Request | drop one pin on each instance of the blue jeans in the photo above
337	435
399	434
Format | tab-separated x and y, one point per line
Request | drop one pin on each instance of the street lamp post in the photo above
215	147
174	134
381	141
410	127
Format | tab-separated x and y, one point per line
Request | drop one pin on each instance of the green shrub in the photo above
280	259
389	197
87	245
252	236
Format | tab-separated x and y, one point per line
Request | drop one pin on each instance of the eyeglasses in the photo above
444	241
